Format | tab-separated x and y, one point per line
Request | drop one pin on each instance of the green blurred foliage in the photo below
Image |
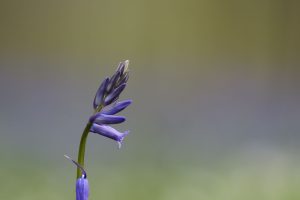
256	30
274	180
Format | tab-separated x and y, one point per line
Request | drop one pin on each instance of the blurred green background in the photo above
216	97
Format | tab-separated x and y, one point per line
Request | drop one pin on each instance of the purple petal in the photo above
113	81
118	107
82	189
114	94
82	184
100	118
109	132
100	93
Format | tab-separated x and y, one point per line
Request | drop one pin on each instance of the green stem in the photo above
81	150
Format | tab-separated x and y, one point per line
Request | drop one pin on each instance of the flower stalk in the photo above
105	107
81	151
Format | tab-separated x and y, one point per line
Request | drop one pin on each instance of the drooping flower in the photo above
109	132
105	104
105	107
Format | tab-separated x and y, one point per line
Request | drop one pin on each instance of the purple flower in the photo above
82	189
82	184
105	105
109	132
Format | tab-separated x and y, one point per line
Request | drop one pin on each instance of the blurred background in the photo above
215	86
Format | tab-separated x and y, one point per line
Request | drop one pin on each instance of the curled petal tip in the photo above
121	139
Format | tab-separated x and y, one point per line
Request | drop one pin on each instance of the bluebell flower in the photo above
109	132
105	105
82	189
82	184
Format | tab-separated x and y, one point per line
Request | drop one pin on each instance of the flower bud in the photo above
100	93
114	95
82	189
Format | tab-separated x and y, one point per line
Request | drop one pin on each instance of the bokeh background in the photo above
216	97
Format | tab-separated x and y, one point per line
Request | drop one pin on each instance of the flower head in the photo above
110	88
105	104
